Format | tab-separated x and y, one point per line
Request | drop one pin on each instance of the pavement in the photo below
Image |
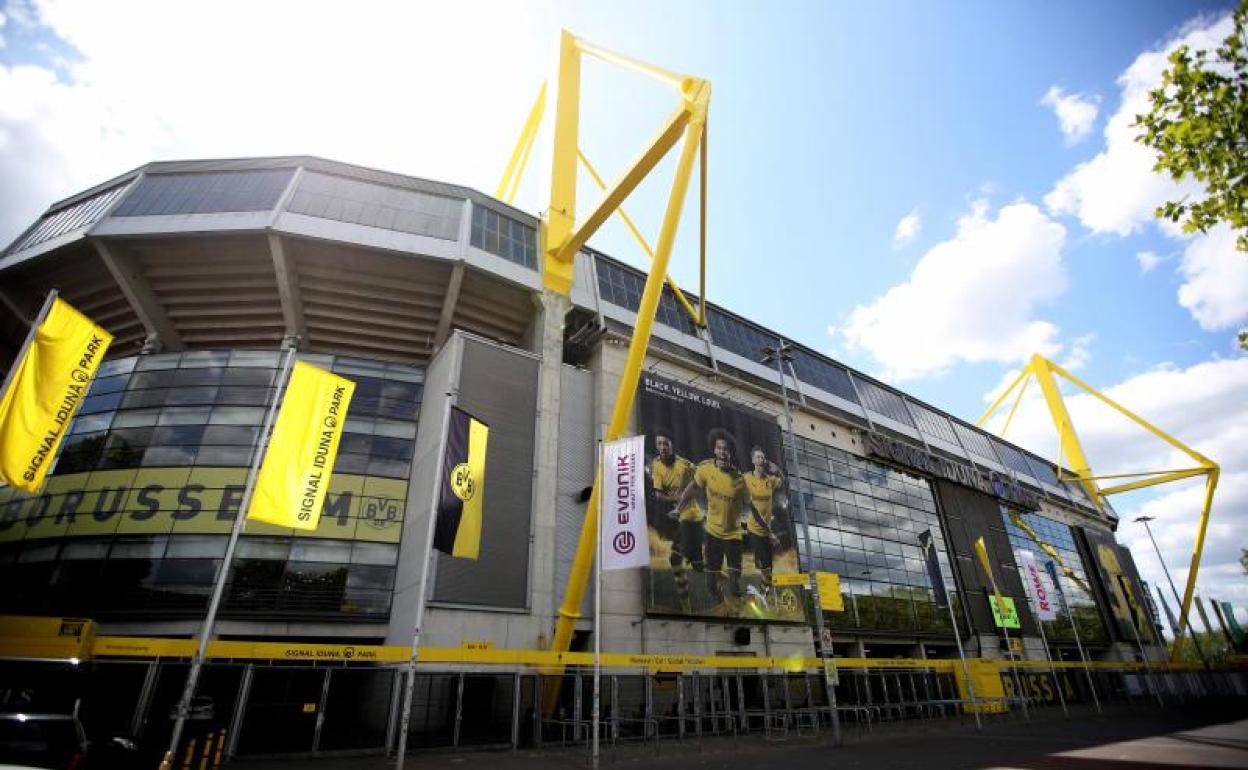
1213	735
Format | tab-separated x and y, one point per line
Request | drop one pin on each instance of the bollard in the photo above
216	759
190	754
203	759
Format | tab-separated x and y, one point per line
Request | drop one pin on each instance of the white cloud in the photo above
1215	280
1080	353
1202	405
1117	191
1148	261
1076	113
971	298
373	86
907	229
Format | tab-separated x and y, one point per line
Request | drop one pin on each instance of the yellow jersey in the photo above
762	491
726	497
672	480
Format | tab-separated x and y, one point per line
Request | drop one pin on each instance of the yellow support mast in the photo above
562	235
1045	373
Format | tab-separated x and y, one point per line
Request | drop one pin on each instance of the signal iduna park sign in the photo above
988	482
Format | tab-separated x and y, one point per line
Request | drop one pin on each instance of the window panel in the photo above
202	193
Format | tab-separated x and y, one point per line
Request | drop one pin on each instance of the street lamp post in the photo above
1195	639
781	353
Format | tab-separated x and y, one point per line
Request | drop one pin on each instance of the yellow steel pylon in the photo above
1070	448
562	235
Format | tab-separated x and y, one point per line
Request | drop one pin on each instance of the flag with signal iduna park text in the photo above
50	379
461	500
290	489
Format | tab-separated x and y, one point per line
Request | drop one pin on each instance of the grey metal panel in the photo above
498	386
577	442
439	384
205	193
376	205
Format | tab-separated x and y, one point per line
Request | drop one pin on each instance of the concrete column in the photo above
554	308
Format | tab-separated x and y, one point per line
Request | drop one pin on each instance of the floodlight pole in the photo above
781	354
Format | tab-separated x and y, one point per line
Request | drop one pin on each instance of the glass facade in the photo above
865	521
135	514
1075	587
504	237
205	193
81	214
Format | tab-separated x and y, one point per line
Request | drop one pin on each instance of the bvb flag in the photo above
294	477
50	379
460	502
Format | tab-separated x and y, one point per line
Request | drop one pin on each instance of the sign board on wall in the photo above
161	501
1004	613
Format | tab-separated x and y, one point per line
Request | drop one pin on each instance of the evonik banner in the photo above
625	543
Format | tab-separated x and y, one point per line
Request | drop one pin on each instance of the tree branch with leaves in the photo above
1198	125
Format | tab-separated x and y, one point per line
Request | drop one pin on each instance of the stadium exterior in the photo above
422	291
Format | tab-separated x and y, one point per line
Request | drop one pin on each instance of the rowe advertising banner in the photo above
720	528
625	542
1037	588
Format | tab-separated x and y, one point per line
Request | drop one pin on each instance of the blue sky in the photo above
831	123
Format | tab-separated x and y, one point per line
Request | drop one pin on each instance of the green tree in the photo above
1198	125
1243	559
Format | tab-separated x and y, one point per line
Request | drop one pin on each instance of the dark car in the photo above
51	741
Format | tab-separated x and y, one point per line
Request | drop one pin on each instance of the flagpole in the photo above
418	625
597	703
1018	684
1087	667
30	338
1148	669
218	588
1044	639
966	672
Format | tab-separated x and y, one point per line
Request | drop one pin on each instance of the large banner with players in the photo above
717	507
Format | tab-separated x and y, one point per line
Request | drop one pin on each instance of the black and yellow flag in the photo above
458	528
290	488
50	379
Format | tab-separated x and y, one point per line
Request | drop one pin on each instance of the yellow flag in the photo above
294	477
50	379
982	552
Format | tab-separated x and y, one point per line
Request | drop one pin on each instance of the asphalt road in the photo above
1208	736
